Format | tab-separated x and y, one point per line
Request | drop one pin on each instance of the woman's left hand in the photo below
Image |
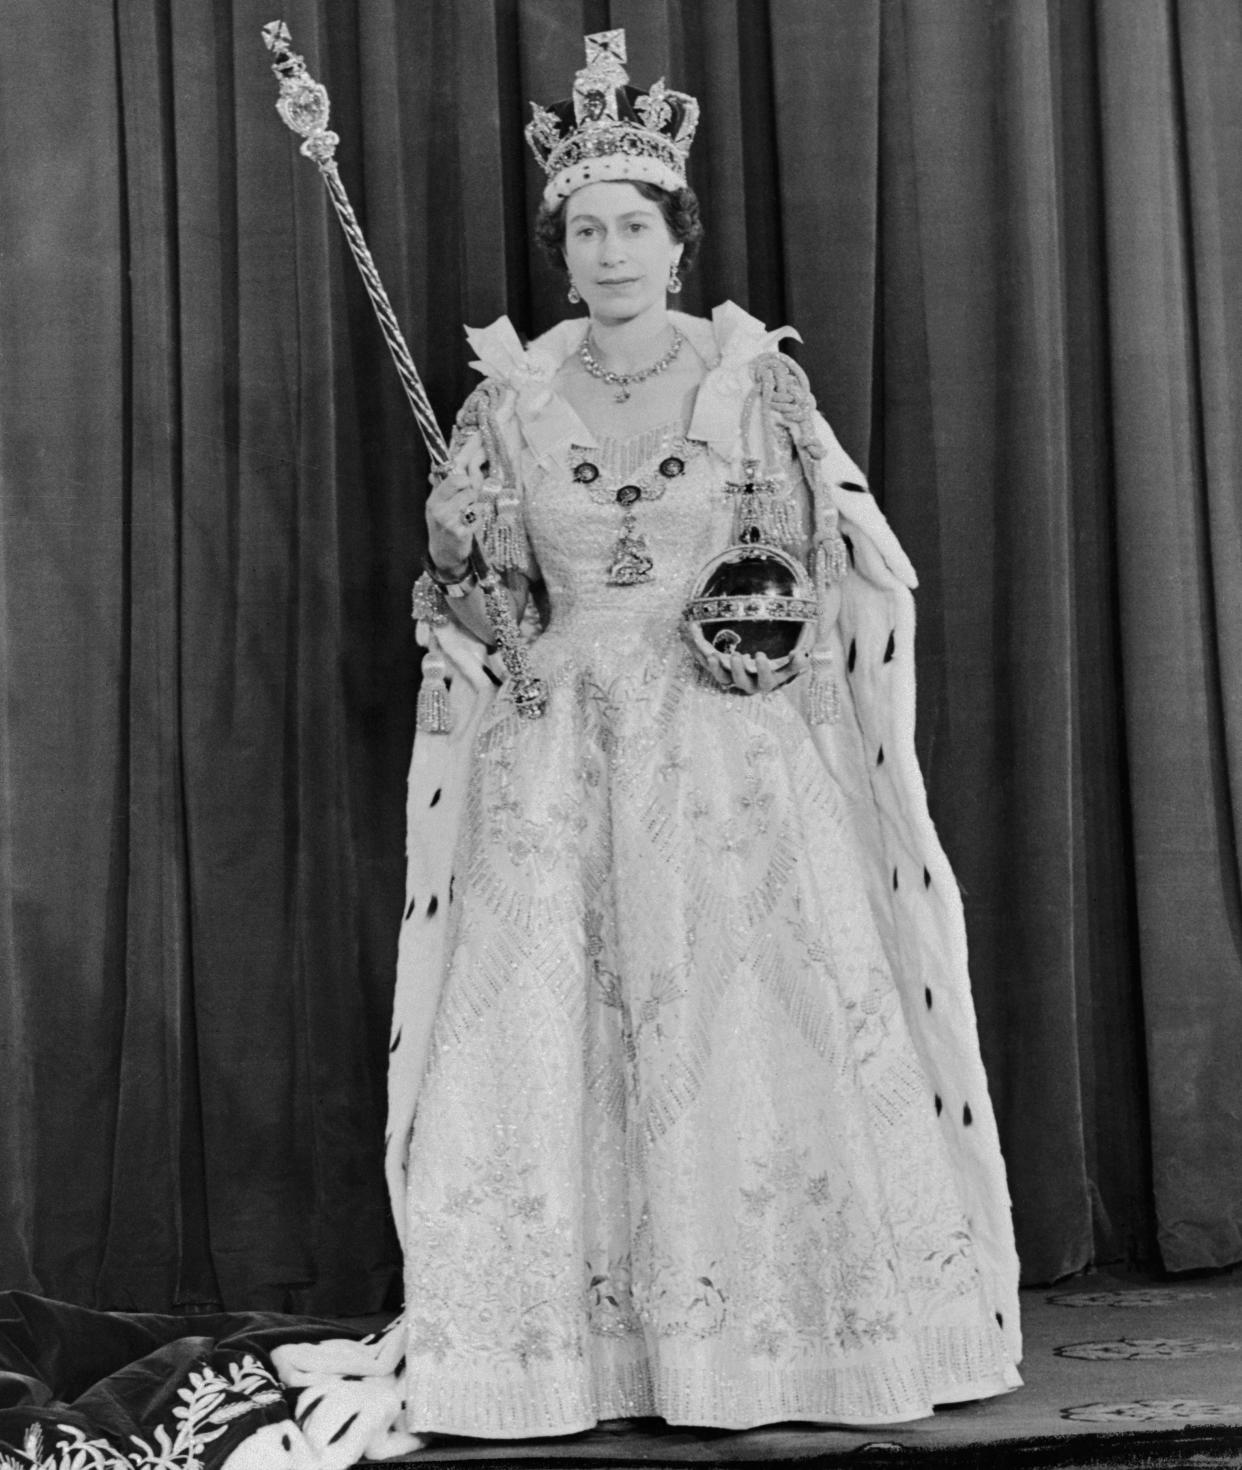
752	675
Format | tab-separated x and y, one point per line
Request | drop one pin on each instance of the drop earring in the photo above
573	294
674	280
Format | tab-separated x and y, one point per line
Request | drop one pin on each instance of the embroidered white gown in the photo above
674	1153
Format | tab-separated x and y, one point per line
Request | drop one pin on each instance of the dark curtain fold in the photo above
1010	233
1172	226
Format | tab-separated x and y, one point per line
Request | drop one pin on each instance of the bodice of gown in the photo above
574	528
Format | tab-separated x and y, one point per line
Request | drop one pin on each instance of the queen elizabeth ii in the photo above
687	1113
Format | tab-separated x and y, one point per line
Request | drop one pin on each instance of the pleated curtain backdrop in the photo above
1010	233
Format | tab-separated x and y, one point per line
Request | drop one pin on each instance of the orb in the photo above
753	599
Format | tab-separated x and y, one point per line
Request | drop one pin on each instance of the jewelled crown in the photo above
610	130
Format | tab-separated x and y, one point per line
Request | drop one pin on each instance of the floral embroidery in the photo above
675	1301
817	1259
733	828
429	1337
610	1303
491	1280
546	842
661	990
872	1016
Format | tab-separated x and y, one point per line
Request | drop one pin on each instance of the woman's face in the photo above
618	250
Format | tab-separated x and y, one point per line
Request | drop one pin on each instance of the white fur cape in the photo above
870	753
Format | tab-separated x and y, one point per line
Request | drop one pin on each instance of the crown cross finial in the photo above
605	43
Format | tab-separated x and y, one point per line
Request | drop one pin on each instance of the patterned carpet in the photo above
1119	1372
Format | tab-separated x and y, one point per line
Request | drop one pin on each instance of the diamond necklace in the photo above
622	381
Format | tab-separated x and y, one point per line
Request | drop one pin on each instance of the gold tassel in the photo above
503	548
427	603
824	697
782	520
432	717
503	536
832	558
830	564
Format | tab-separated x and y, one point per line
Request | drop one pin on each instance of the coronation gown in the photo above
674	1152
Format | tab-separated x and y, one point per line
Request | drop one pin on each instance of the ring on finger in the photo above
470	515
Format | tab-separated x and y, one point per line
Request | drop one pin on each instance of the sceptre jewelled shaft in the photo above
303	106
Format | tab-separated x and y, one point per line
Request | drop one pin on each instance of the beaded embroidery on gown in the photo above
674	1153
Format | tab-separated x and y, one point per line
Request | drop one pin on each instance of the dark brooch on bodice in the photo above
631	562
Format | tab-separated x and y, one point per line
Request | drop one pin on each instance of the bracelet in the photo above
452	586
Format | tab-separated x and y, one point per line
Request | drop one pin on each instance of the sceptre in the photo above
303	106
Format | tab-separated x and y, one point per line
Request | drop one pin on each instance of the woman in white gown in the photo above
687	1112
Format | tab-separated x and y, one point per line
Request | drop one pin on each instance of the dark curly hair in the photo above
679	208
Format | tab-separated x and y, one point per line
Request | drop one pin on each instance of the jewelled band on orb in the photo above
752	609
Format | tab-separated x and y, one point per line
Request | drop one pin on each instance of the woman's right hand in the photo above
452	510
743	673
753	675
